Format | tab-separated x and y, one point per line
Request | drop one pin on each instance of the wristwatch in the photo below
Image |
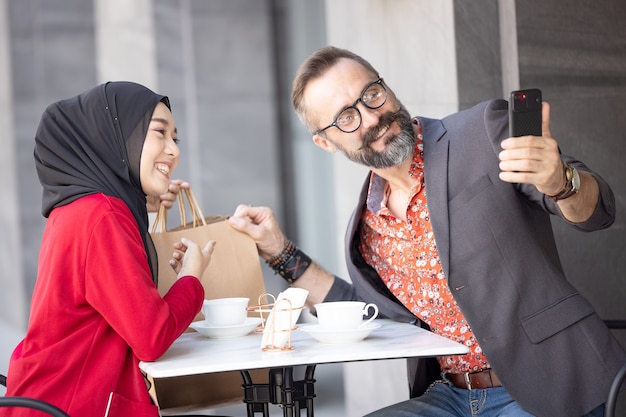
572	183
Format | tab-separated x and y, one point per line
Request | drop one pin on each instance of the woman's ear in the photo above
324	143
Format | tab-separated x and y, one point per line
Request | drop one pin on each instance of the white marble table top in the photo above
194	354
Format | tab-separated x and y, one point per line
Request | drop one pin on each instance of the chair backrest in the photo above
609	410
32	403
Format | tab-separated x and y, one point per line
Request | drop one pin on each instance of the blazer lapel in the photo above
436	156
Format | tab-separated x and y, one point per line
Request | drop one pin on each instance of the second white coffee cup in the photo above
344	314
230	311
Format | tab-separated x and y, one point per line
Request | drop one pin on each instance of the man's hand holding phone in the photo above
532	159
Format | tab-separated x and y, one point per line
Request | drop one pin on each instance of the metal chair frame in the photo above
609	409
34	404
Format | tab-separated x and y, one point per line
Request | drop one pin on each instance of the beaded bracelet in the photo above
291	263
288	250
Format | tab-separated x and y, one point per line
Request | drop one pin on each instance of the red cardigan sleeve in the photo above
118	284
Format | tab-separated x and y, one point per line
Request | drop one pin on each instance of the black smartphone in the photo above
525	112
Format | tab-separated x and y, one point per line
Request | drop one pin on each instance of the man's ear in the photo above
324	143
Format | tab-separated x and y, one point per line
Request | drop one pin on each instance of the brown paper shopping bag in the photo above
234	271
235	268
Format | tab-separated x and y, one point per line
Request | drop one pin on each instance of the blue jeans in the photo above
443	400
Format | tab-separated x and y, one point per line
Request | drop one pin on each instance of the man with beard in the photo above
452	232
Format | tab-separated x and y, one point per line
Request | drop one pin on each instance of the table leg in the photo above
256	396
281	382
309	389
283	390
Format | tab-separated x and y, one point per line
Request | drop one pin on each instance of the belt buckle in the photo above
468	381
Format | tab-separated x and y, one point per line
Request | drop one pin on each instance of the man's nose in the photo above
369	117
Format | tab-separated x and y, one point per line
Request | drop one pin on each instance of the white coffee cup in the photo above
230	311
344	314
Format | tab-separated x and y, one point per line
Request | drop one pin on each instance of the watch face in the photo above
569	173
575	180
572	184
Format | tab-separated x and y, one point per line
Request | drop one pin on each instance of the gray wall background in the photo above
579	61
577	56
227	66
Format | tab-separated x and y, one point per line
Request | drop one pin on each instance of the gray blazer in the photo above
545	342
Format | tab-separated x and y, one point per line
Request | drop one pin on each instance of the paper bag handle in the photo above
160	222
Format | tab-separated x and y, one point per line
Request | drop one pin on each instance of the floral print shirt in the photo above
405	255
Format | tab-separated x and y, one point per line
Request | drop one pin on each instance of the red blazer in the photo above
95	313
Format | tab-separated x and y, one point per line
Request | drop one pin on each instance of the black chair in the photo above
615	324
609	409
34	404
31	403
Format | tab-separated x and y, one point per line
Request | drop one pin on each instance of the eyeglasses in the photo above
348	120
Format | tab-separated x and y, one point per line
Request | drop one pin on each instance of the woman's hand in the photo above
189	259
167	199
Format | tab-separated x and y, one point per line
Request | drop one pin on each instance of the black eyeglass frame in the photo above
353	106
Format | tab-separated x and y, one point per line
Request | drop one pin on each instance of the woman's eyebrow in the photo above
164	121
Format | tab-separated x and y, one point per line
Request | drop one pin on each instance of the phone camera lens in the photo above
520	97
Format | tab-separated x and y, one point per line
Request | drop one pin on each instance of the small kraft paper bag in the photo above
234	271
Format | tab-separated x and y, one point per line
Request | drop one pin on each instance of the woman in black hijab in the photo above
96	311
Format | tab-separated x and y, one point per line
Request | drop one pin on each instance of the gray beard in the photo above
399	148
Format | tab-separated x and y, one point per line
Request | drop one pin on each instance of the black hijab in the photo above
92	143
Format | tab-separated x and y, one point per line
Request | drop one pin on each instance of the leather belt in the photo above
475	380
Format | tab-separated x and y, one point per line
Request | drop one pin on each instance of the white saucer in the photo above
223	332
327	335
